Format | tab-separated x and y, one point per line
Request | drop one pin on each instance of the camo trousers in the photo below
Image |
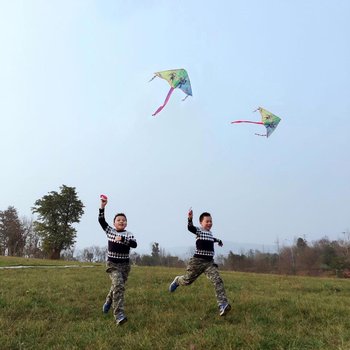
195	268
119	275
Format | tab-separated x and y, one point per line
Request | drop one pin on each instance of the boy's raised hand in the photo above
104	200
190	213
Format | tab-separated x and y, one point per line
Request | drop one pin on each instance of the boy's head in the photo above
120	222
206	221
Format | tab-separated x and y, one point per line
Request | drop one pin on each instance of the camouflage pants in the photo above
119	275
195	268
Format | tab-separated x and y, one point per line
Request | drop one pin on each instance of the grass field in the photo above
56	308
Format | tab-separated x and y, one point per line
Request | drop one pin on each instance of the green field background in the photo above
48	307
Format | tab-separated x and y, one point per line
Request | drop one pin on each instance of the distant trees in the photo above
52	235
252	261
93	254
12	233
320	258
155	253
57	212
158	257
32	247
17	237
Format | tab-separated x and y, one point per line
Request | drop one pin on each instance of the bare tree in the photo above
32	248
100	254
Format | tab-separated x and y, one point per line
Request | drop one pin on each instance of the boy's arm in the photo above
101	213
130	241
190	225
101	218
218	241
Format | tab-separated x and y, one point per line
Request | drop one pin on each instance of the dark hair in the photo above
120	214
203	215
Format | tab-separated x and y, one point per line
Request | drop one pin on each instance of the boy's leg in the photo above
119	277
213	274
194	269
108	303
109	297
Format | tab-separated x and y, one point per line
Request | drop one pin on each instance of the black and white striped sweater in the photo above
204	242
118	251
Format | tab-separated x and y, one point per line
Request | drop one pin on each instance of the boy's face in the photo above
207	223
120	223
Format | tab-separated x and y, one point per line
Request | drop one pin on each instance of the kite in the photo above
177	78
269	120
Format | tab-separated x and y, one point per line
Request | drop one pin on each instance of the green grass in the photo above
51	308
18	261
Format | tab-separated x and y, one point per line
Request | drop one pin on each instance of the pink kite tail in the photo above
165	102
246	121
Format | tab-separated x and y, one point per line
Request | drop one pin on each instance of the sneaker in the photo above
173	285
105	308
224	309
121	319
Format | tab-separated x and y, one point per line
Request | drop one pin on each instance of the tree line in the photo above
52	235
157	256
323	257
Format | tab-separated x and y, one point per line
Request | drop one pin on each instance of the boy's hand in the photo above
104	200
220	243
190	213
118	238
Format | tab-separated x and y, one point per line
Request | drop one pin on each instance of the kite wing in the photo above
269	120
177	78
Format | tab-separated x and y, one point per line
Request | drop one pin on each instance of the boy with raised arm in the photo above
203	261
118	263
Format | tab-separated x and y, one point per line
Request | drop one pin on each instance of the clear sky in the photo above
76	109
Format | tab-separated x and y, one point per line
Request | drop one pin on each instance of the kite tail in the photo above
165	102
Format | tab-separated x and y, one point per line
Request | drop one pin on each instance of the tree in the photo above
57	212
88	255
135	258
12	232
32	247
147	260
301	243
156	253
93	254
100	254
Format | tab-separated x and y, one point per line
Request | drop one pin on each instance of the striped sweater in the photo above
204	242
118	251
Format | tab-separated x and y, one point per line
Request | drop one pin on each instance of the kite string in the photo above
246	121
165	102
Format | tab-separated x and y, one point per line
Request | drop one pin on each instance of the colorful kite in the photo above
177	78
269	120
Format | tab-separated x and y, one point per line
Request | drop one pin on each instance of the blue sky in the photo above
76	109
